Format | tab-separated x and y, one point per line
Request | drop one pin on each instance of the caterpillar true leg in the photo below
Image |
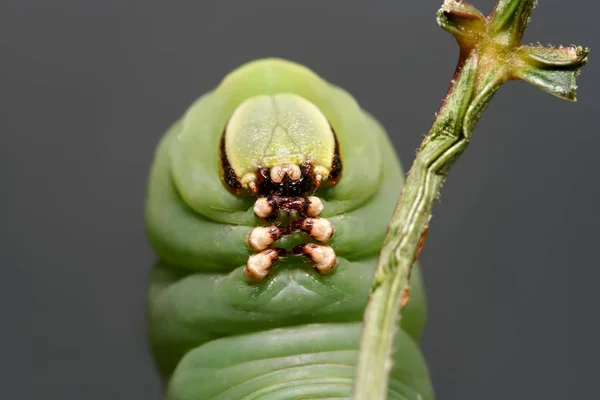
258	264
319	229
261	237
323	257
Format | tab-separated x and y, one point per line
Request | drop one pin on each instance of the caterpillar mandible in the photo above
267	204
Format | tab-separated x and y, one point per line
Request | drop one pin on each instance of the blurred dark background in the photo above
88	87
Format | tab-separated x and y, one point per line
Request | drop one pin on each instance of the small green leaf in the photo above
552	70
462	20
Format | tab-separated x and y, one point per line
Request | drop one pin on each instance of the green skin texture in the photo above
215	335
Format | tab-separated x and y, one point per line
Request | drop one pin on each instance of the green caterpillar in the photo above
267	205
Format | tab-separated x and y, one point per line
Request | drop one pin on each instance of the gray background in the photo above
87	88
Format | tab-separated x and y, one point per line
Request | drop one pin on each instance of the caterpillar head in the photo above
279	144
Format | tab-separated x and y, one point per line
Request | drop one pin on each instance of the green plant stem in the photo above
490	54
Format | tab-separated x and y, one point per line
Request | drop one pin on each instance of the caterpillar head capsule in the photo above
279	144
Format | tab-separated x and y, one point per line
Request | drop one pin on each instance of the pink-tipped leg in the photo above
259	264
322	257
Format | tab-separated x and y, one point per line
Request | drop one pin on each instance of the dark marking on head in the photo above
336	164
228	174
287	187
